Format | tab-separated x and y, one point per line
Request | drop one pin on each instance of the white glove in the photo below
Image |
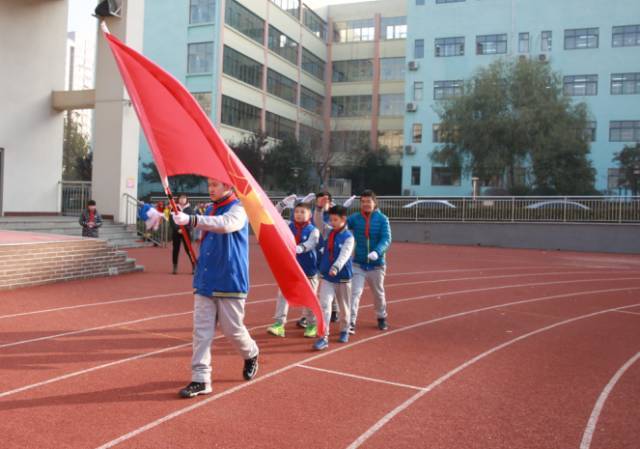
181	219
310	197
349	201
299	249
289	201
373	256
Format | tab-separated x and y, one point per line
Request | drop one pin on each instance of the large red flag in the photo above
183	141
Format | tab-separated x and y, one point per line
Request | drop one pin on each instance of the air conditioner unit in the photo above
108	8
522	57
412	107
406	192
409	149
413	65
542	57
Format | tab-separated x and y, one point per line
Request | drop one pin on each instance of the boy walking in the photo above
336	271
90	220
221	283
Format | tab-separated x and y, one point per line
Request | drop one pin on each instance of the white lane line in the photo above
587	437
279	371
629	312
106	365
399	409
354	376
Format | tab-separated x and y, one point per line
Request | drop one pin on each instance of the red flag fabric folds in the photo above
183	141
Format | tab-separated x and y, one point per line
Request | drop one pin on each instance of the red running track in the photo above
488	348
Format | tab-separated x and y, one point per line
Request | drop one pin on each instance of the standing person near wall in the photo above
90	220
373	236
177	236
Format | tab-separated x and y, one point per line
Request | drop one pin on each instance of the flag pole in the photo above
185	234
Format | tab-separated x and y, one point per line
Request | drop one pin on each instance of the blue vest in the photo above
223	265
346	273
308	260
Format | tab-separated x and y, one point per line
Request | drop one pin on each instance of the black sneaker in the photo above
302	323
334	316
250	368
382	324
194	389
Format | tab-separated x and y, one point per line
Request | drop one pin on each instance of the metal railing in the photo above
74	196
159	237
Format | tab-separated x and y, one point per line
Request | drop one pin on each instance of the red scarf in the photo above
299	228
367	226
330	243
217	205
92	216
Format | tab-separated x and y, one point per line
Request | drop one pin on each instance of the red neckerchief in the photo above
92	216
367	226
299	228
330	243
217	205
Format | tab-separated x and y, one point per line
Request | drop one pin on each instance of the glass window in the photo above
349	141
281	86
392	105
625	83
244	21
449	46
523	43
202	11
614	178
419	2
312	64
351	106
581	85
310	138
204	100
418	90
436	135
394	28
290	6
416	133
283	45
418	49
242	67
581	38
415	176
200	58
591	131
444	176
279	127
392	69
624	131
546	41
447	89
315	23
311	101
391	139
354	31
352	70
491	44
240	115
626	36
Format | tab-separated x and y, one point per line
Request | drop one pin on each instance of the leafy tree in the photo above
77	158
373	171
628	160
251	151
289	166
179	184
514	114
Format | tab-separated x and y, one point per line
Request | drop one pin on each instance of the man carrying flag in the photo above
221	283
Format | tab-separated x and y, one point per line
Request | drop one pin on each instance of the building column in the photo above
375	94
328	82
117	130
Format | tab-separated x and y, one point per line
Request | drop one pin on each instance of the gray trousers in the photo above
375	280
230	316
342	293
282	306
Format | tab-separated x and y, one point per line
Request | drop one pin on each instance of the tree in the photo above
372	170
514	114
77	158
179	184
251	151
289	166
628	160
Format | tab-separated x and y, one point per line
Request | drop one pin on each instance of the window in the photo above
418	49
625	83
449	46
391	105
546	40
415	176
416	133
290	6
392	69
420	2
614	178
204	100
279	127
315	23
590	131
283	45
311	101
281	86
436	135
624	131
241	67
354	31
394	28
581	38
444	176
523	43
626	36
244	21
352	70
581	85
201	11
491	44
310	138
349	141
312	64
200	58
447	89
418	90
391	139
351	106
240	115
